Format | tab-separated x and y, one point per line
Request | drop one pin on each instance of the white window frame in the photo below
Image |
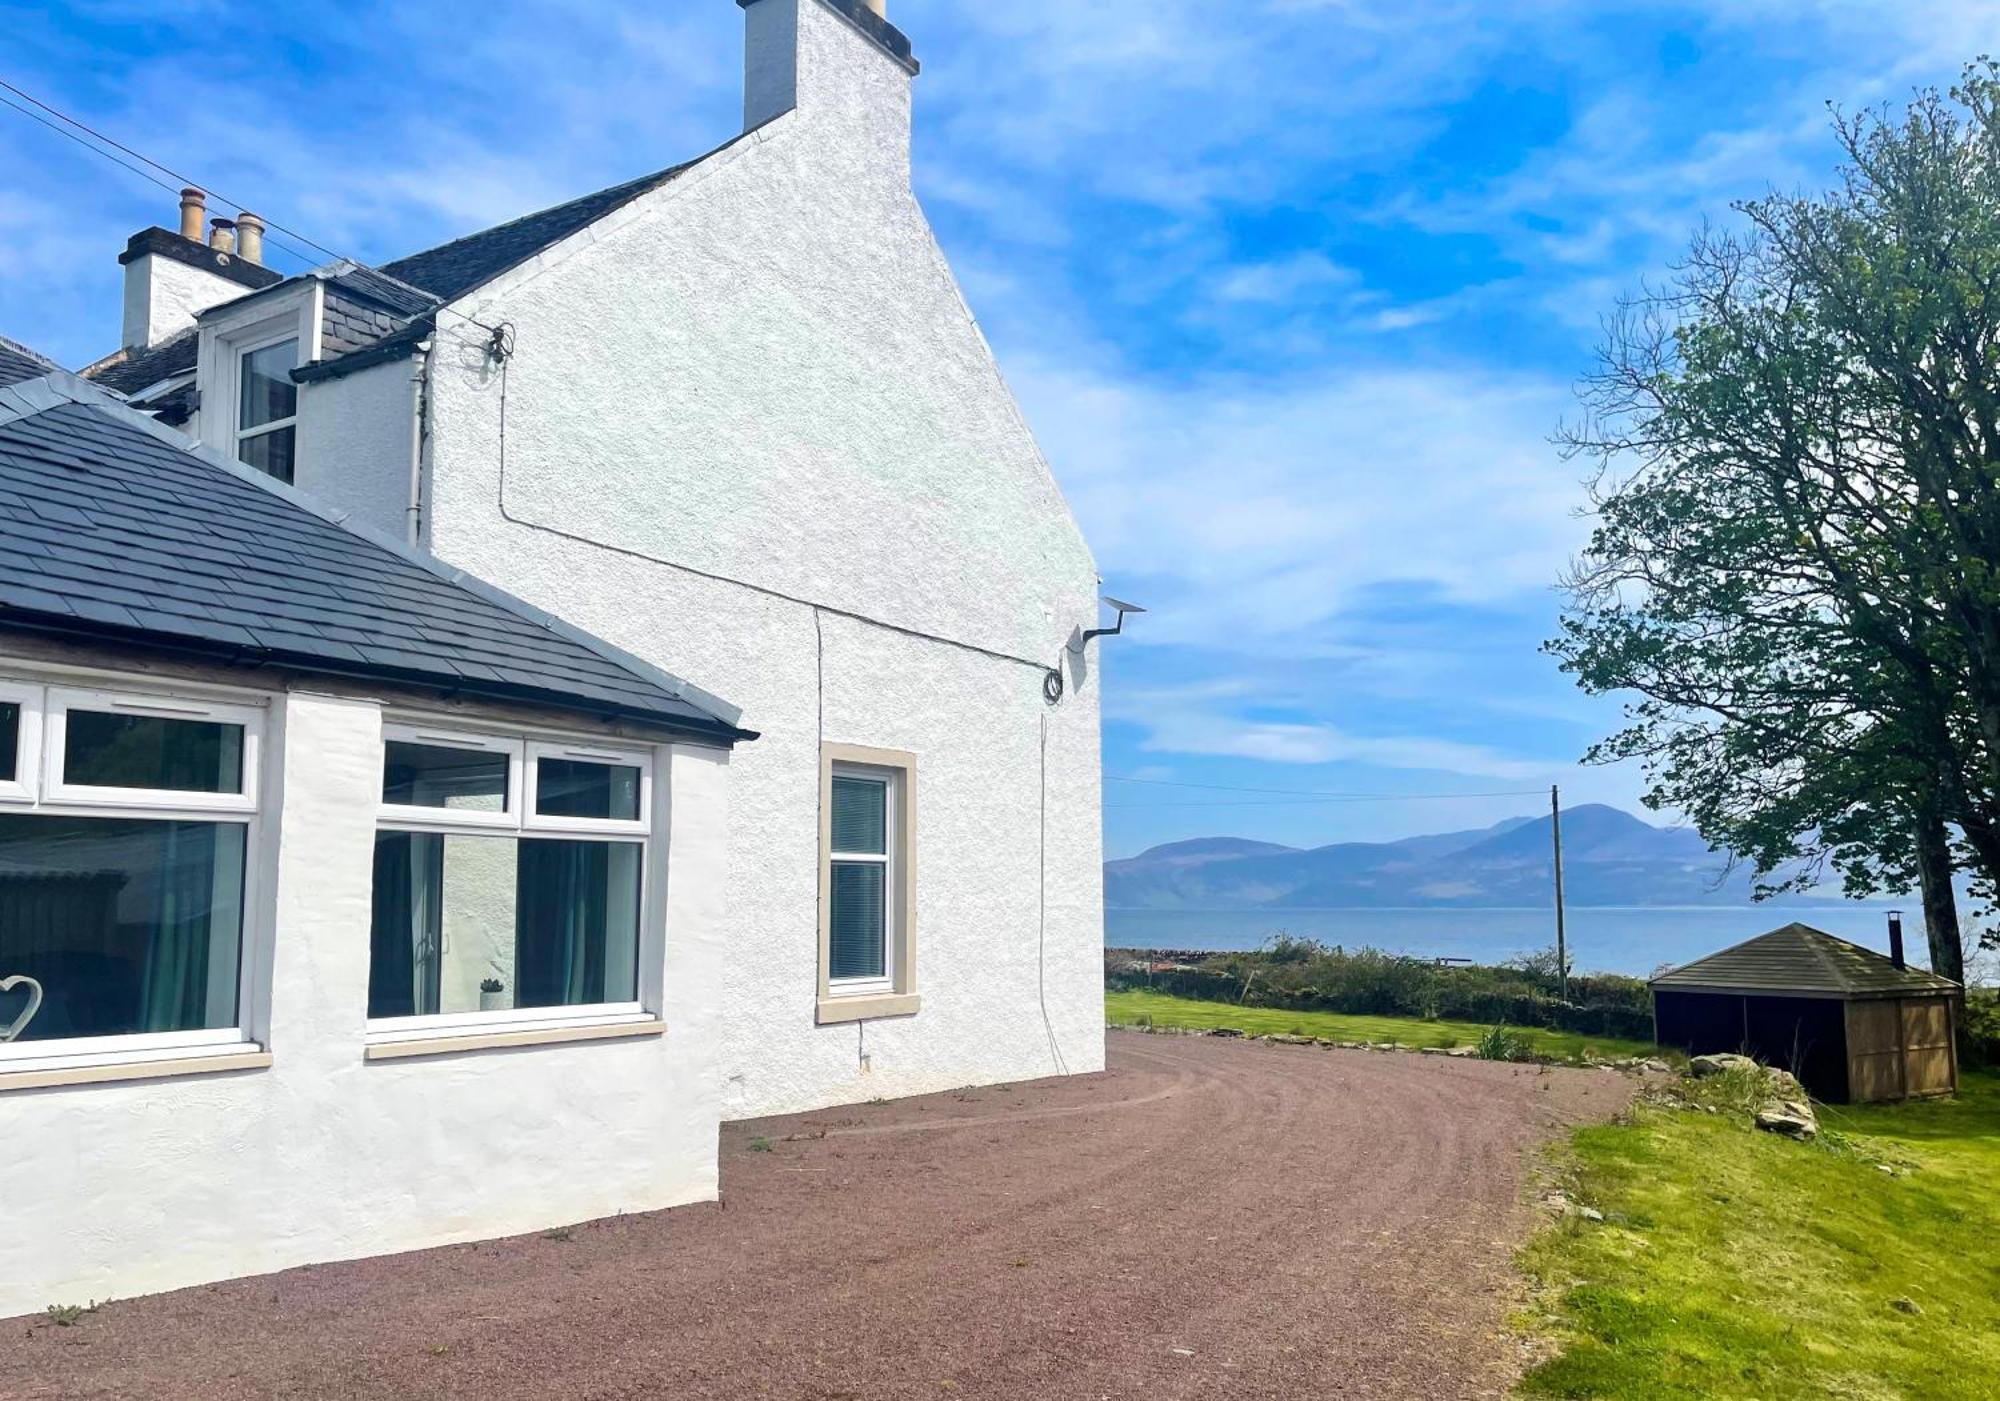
889	860
49	706
28	747
533	821
895	993
230	333
447	737
518	822
240	351
55	737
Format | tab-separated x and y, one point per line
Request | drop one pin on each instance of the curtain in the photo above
406	927
174	989
561	899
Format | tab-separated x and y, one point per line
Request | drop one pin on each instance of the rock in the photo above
1784	1084
1656	1067
1590	1213
1432	1050
1906	1305
1286	1038
1224	1031
1718	1064
1463	1052
1793	1118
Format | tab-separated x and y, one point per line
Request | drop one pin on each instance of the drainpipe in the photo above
420	407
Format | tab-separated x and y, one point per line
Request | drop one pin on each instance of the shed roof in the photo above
1800	961
114	528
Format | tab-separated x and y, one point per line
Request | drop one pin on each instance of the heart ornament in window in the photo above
20	1023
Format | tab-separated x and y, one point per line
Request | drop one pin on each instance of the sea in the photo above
1634	940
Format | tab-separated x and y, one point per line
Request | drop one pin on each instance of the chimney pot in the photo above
1896	939
249	237
880	7
193	211
222	234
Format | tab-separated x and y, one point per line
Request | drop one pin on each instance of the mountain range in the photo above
1609	858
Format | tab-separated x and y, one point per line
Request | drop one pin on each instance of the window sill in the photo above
101	1071
867	1007
403	1046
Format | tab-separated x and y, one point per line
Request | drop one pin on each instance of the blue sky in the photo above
1293	291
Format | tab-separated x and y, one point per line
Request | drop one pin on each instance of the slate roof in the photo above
113	528
18	363
452	269
1800	961
143	369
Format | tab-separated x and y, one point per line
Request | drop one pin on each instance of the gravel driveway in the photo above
1210	1218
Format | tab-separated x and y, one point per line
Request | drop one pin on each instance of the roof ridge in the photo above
524	218
60	387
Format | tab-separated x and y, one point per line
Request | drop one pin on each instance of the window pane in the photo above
439	776
860	815
268	393
10	744
102	750
573	788
468	924
270	452
855	935
128	926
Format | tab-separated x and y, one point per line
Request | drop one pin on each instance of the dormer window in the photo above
268	407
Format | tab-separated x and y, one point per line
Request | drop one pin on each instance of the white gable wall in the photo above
754	391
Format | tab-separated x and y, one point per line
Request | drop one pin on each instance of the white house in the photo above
506	958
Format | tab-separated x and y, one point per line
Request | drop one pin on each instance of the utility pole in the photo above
1562	940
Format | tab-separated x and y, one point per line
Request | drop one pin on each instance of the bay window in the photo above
509	881
125	838
867	885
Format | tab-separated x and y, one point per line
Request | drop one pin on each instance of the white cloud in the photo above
1259	509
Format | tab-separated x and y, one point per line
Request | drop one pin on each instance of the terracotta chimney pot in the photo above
250	237
193	211
222	234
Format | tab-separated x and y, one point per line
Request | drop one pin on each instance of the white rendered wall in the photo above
765	372
122	1189
354	443
163	296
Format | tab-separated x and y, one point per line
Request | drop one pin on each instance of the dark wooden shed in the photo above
1852	1025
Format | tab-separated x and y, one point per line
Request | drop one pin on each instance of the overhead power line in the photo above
188	181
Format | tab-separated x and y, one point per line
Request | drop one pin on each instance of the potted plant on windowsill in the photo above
492	995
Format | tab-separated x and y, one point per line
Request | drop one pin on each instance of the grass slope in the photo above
1133	1007
1735	1263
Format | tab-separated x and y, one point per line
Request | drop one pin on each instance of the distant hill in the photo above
1609	858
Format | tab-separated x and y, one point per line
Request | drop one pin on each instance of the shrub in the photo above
1299	975
1501	1044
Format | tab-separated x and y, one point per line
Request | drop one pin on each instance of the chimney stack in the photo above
193	212
1896	938
823	59
171	278
249	237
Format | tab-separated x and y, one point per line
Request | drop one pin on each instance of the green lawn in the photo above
1130	1008
1734	1263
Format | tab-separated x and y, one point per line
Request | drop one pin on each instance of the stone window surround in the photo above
901	1000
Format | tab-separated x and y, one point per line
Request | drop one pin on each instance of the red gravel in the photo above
1208	1219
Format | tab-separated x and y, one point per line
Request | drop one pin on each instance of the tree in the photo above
1796	557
